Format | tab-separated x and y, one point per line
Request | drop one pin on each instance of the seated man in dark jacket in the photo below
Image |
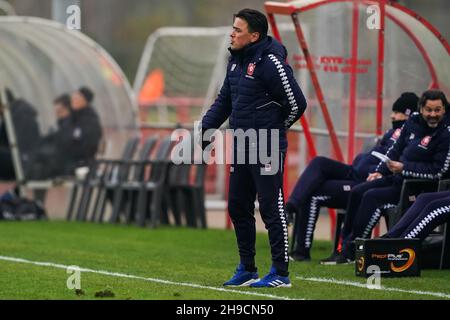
27	134
422	151
75	141
54	155
327	183
87	132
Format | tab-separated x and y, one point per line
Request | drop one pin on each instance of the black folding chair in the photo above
186	189
150	194
99	171
172	199
111	188
147	191
411	189
340	218
445	253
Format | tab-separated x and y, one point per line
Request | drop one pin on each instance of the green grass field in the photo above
171	263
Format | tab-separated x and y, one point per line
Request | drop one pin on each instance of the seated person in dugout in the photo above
422	151
27	134
75	142
326	182
55	146
88	130
429	211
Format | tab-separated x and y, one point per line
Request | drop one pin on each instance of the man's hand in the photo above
374	176
394	166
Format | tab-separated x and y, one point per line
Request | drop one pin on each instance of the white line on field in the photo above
363	285
122	275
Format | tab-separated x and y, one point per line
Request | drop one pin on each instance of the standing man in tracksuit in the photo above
422	151
326	182
259	92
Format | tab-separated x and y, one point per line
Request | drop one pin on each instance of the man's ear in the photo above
254	36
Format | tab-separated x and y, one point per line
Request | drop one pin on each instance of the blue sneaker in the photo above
242	278
272	280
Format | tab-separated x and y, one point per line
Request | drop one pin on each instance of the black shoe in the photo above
299	257
330	260
335	258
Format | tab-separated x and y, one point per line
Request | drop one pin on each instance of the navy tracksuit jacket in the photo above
259	92
428	212
425	154
326	182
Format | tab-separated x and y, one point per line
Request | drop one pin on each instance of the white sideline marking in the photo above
122	275
363	285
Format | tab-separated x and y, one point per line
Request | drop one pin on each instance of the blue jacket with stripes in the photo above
259	91
366	163
424	151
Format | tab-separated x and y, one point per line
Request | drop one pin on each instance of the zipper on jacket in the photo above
268	104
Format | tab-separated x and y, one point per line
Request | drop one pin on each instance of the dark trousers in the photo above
318	171
324	183
332	194
367	202
246	181
428	211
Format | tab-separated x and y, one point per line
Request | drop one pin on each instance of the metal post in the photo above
311	146
380	69
353	76
317	87
380	80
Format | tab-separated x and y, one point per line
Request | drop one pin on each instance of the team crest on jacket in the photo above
251	69
396	133
425	141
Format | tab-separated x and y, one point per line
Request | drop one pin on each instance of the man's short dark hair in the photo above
257	21
64	100
433	94
87	94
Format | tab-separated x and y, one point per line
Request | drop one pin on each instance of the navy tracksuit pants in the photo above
367	202
324	182
246	181
428	211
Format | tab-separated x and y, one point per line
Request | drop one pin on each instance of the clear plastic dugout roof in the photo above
363	54
41	59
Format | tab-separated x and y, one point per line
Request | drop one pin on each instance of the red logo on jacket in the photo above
396	134
251	69
425	141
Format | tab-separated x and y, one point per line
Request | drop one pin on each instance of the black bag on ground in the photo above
15	208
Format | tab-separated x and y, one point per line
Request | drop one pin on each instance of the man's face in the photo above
398	116
61	111
240	36
433	112
78	101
